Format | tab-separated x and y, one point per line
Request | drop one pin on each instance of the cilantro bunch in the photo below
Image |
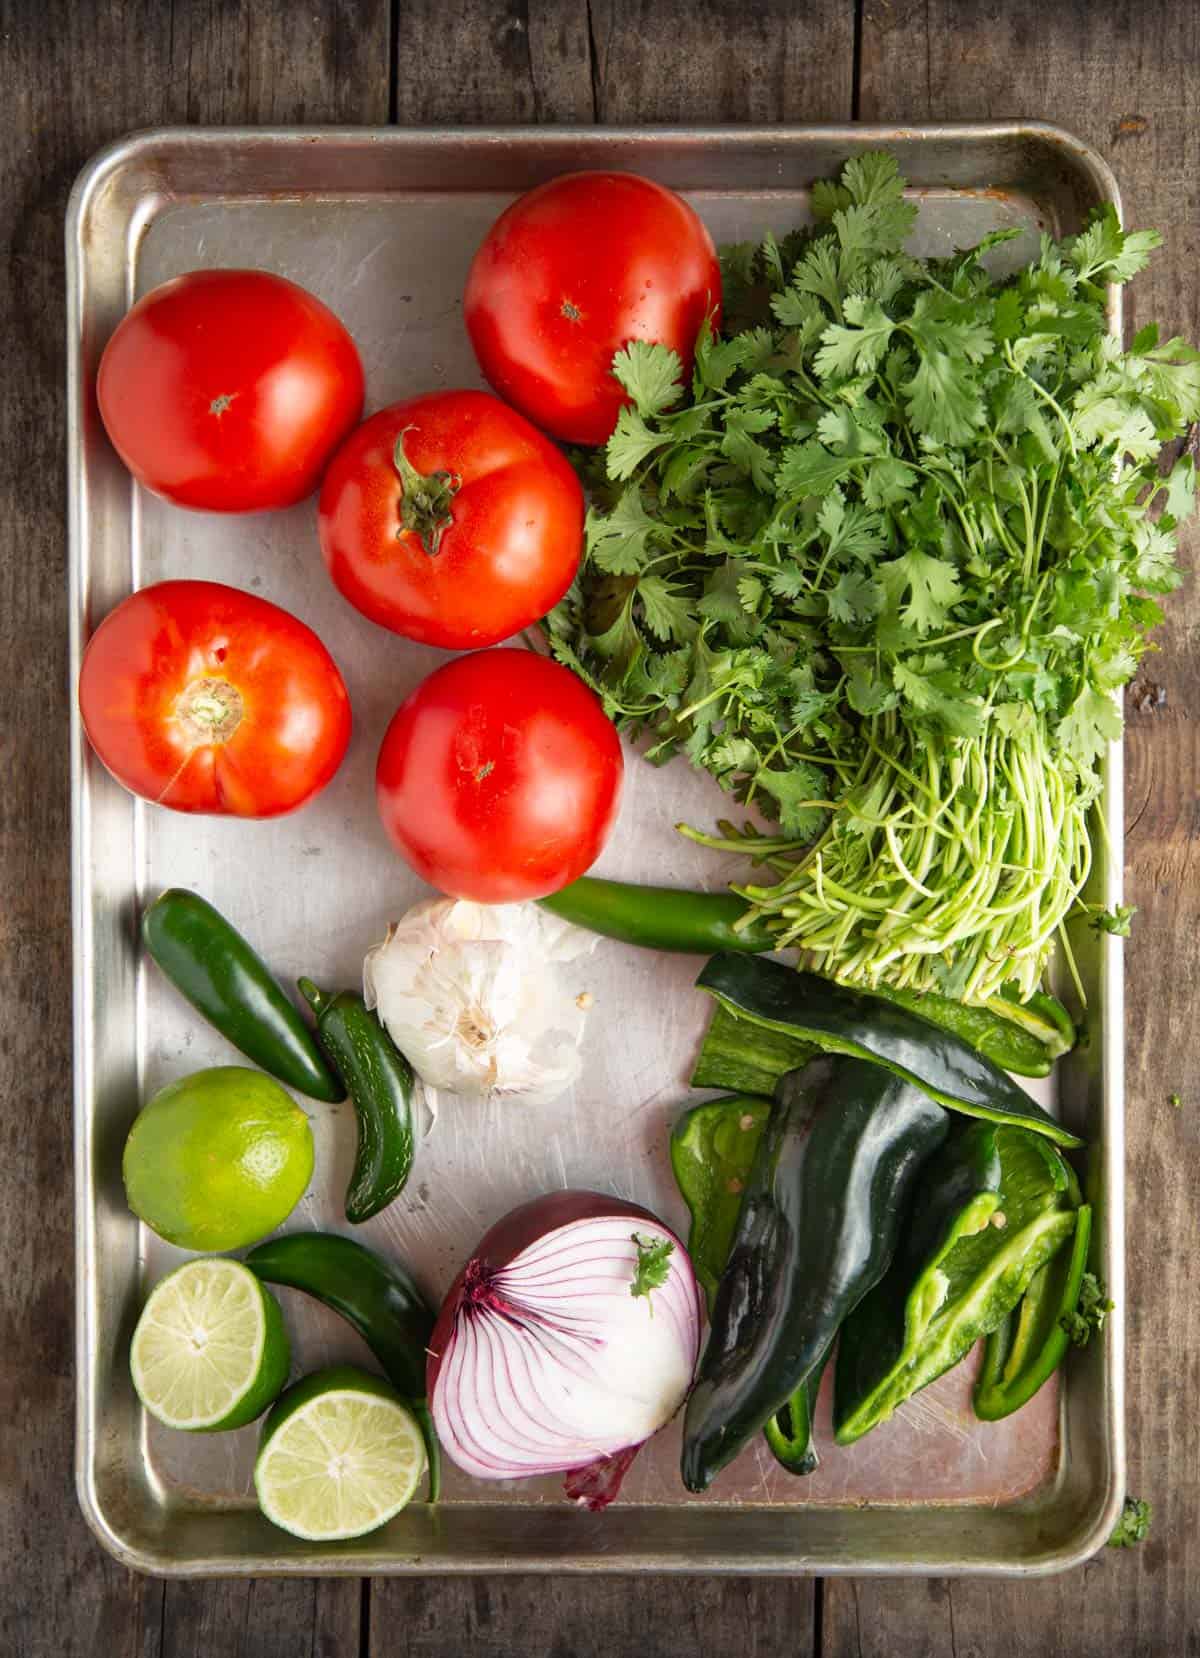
879	570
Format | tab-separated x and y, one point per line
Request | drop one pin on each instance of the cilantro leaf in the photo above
809	469
653	1264
800	798
1103	251
1133	1527
854	597
616	541
858	345
932	585
1090	724
651	374
740	446
1089	1313
1115	921
631	443
667	612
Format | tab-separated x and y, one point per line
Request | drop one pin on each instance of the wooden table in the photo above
1124	75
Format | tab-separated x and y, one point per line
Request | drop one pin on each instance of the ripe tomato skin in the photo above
228	390
569	274
499	777
510	549
226	655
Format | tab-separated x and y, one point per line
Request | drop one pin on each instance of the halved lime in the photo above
210	1351
340	1454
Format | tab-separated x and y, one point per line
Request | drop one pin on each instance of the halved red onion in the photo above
543	1360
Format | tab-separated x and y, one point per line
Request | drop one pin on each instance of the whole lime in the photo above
218	1159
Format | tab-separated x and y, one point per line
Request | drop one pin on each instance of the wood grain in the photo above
255	1618
1122	76
698	61
76	76
578	1617
520	60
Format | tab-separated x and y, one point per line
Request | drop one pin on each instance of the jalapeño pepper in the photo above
213	966
660	918
1028	1346
380	1084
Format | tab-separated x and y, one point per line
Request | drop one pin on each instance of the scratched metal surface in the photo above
315	890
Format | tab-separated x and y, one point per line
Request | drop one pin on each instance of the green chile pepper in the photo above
989	1211
789	1432
1042	1015
750	1058
374	1295
836	1161
712	1153
213	966
1027	1347
811	1009
380	1083
1022	1037
659	918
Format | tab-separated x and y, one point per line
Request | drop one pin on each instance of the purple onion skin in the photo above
514	1232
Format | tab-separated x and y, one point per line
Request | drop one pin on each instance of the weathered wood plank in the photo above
695	61
256	1618
522	60
577	1617
1122	75
75	77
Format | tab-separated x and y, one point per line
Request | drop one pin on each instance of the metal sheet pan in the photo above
382	225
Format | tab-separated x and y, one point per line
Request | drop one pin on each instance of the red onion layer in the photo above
544	1361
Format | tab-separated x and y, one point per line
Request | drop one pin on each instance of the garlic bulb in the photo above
474	997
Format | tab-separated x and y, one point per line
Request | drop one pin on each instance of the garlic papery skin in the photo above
475	997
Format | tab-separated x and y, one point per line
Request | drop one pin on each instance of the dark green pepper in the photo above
748	1057
990	1210
811	1009
712	1153
374	1295
380	1083
1027	1347
214	967
836	1161
660	918
737	1055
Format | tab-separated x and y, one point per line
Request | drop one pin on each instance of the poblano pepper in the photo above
834	1168
838	1020
712	1154
991	1209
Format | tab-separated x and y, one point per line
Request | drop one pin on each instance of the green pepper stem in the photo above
316	998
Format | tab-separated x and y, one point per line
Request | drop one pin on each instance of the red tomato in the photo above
499	778
569	274
229	390
449	519
206	699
